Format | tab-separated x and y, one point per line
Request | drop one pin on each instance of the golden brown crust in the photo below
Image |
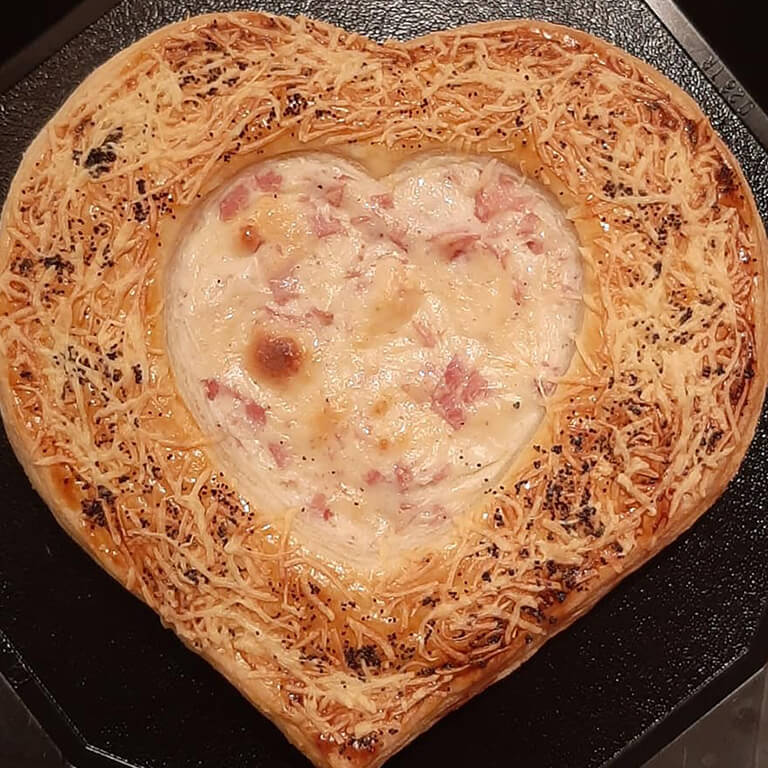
641	436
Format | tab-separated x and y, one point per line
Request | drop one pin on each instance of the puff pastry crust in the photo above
640	436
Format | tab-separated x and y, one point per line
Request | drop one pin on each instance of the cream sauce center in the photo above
369	355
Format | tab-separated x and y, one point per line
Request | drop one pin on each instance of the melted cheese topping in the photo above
370	354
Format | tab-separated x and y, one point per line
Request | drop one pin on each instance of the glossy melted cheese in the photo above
368	355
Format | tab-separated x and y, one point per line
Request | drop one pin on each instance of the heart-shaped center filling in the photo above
369	354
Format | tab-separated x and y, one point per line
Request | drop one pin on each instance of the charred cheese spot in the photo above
276	358
250	238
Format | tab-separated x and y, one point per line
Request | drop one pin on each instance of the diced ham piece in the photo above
284	288
268	182
403	477
323	317
455	373
440	475
334	194
211	388
233	202
373	476
383	201
451	245
528	224
501	195
255	413
476	388
446	406
319	504
459	387
279	454
398	235
324	225
535	246
425	333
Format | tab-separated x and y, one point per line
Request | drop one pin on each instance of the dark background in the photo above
732	28
30	18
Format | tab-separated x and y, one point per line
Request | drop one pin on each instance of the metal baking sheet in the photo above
112	687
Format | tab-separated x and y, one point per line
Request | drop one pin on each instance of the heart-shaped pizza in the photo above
371	367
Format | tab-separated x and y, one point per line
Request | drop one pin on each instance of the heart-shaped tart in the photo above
370	367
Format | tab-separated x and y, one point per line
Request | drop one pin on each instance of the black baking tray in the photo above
112	687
